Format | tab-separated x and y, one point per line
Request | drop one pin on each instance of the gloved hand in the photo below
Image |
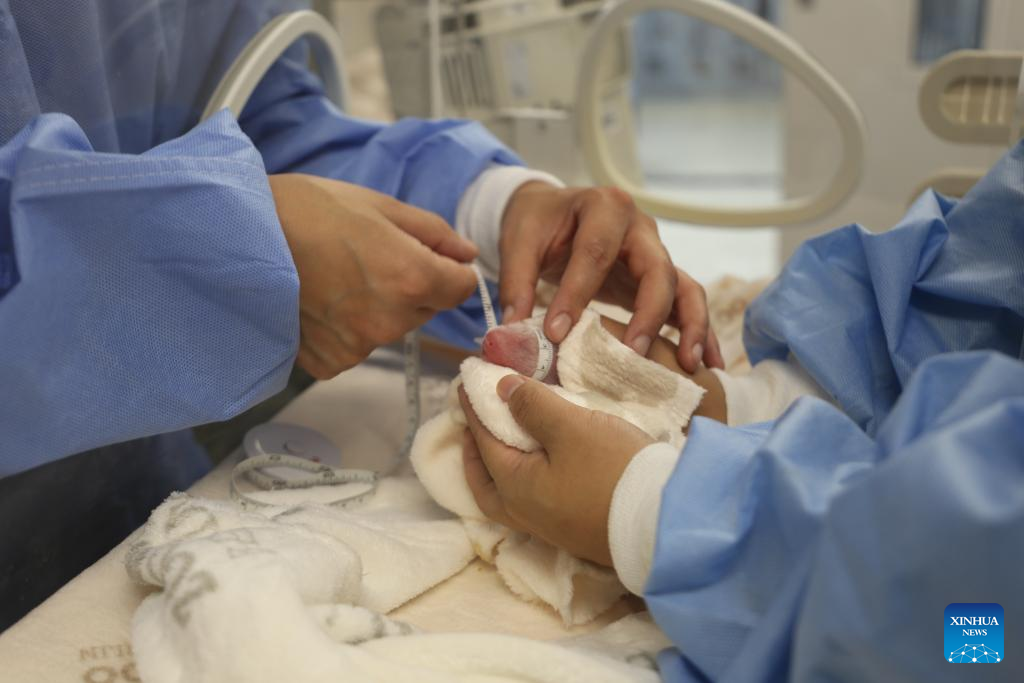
370	267
594	242
563	493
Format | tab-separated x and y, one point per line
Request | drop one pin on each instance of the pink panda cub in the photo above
523	347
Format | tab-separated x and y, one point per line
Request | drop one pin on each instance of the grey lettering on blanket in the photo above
643	660
184	585
359	625
240	542
104	666
381	630
184	510
175	568
378	630
185	519
110	674
95	653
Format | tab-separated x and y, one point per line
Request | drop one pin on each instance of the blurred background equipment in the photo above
511	64
882	51
691	110
759	34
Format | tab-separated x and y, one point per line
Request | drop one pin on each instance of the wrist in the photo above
484	204
479	214
522	196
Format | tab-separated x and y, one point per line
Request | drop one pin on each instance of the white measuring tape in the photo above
322	475
545	355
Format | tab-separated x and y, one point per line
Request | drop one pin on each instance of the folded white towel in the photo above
597	371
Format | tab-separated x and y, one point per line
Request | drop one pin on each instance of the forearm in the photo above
429	164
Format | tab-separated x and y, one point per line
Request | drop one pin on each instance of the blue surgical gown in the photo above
825	545
145	285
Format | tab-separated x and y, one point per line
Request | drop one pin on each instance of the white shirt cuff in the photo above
766	391
633	517
482	206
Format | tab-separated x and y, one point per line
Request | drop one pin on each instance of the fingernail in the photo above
560	327
641	344
508	312
508	385
698	352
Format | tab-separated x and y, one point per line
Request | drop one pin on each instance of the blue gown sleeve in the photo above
861	311
425	163
139	294
805	550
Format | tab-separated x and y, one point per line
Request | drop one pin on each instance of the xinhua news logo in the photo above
974	633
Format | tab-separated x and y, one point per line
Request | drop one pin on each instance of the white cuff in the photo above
766	391
482	206
633	517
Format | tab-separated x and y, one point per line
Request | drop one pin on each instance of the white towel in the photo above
293	594
597	371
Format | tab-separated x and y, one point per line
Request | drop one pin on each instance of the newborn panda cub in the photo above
523	347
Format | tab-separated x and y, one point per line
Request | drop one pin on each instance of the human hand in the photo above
595	243
563	493
370	267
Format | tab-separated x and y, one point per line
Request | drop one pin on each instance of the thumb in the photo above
541	412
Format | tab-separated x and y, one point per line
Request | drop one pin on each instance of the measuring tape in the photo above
323	475
545	355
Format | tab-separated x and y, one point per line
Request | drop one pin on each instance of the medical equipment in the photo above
279	456
975	96
771	41
874	49
972	97
511	64
267	46
549	77
281	437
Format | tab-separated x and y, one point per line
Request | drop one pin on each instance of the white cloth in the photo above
762	394
597	371
297	594
482	206
633	516
766	391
